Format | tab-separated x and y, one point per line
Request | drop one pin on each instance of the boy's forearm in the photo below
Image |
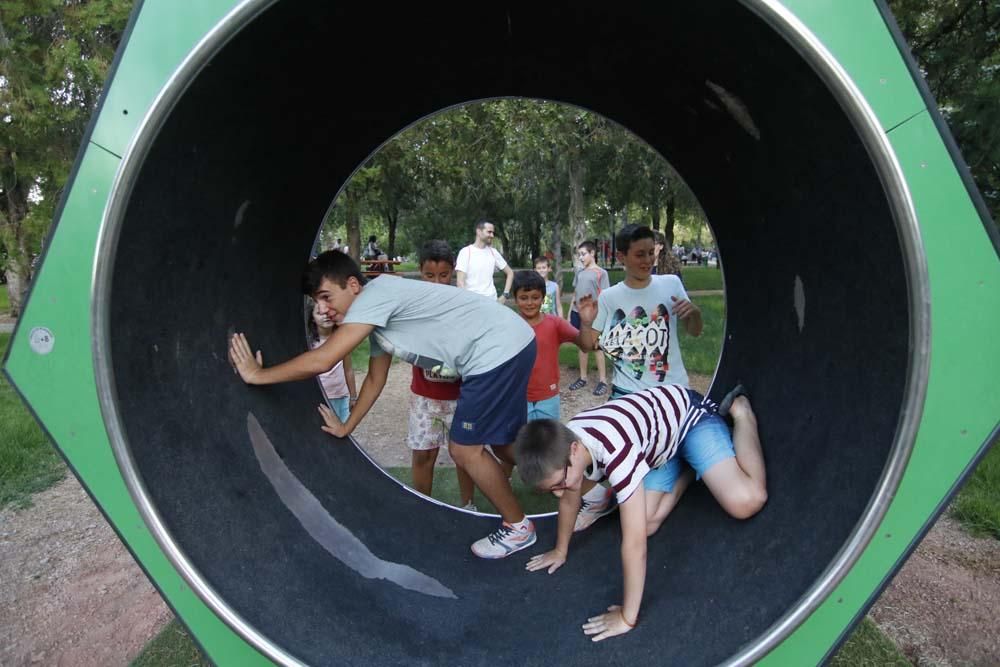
569	506
694	324
510	279
371	389
634	569
306	365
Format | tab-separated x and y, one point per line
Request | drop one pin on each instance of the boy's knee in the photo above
424	457
463	453
747	502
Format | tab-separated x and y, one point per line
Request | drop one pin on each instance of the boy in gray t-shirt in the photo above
492	350
590	281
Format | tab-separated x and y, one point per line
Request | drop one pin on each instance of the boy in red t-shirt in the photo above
528	289
432	404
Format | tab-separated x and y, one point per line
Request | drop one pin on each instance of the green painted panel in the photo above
855	33
161	38
962	404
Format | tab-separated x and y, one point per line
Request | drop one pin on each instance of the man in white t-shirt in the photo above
478	262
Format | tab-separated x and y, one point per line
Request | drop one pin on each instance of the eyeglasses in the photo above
561	486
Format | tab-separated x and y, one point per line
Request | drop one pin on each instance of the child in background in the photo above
588	281
338	382
550	332
432	404
637	327
552	305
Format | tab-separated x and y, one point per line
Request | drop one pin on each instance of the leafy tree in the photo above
54	55
957	45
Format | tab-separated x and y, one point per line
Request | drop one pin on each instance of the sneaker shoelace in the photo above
499	534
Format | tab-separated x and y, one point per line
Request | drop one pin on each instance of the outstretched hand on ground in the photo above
553	560
243	359
606	625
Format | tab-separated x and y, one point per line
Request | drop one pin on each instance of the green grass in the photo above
173	647
701	354
977	506
4	300
445	489
869	647
701	278
28	462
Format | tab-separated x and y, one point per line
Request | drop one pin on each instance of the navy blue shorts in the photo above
574	319
490	408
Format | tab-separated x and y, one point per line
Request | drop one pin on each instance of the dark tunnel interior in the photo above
276	123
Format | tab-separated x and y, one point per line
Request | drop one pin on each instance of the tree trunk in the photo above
556	244
17	289
353	215
668	227
393	220
577	223
508	249
656	218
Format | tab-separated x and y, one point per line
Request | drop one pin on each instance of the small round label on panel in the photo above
41	340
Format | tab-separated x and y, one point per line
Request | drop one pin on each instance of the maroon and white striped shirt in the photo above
629	436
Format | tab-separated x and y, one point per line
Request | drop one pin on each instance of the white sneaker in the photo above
470	506
505	540
591	511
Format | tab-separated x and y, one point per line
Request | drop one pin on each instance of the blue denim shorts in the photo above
707	443
547	409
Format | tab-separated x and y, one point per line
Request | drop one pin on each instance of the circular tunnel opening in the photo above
548	176
217	204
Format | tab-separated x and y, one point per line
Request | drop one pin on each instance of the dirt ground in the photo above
70	594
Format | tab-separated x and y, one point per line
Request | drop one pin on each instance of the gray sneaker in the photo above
504	541
591	511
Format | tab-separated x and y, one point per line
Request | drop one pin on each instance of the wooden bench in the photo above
366	264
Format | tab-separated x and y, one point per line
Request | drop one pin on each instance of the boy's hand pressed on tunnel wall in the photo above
243	359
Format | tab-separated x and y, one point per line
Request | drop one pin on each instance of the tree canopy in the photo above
548	175
957	45
54	55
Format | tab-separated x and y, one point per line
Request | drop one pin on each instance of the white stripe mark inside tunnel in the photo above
799	297
327	531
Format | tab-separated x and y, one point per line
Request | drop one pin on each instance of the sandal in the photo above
727	400
600	389
580	383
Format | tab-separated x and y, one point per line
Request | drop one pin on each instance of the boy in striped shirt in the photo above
638	442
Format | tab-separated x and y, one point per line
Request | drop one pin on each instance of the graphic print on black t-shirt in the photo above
639	342
434	369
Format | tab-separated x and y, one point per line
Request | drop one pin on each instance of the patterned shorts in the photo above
430	422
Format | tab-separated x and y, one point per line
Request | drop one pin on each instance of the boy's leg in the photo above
739	482
574	320
424	436
602	375
487	474
485	413
466	487
422	466
659	503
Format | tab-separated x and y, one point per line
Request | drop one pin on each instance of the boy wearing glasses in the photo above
637	443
